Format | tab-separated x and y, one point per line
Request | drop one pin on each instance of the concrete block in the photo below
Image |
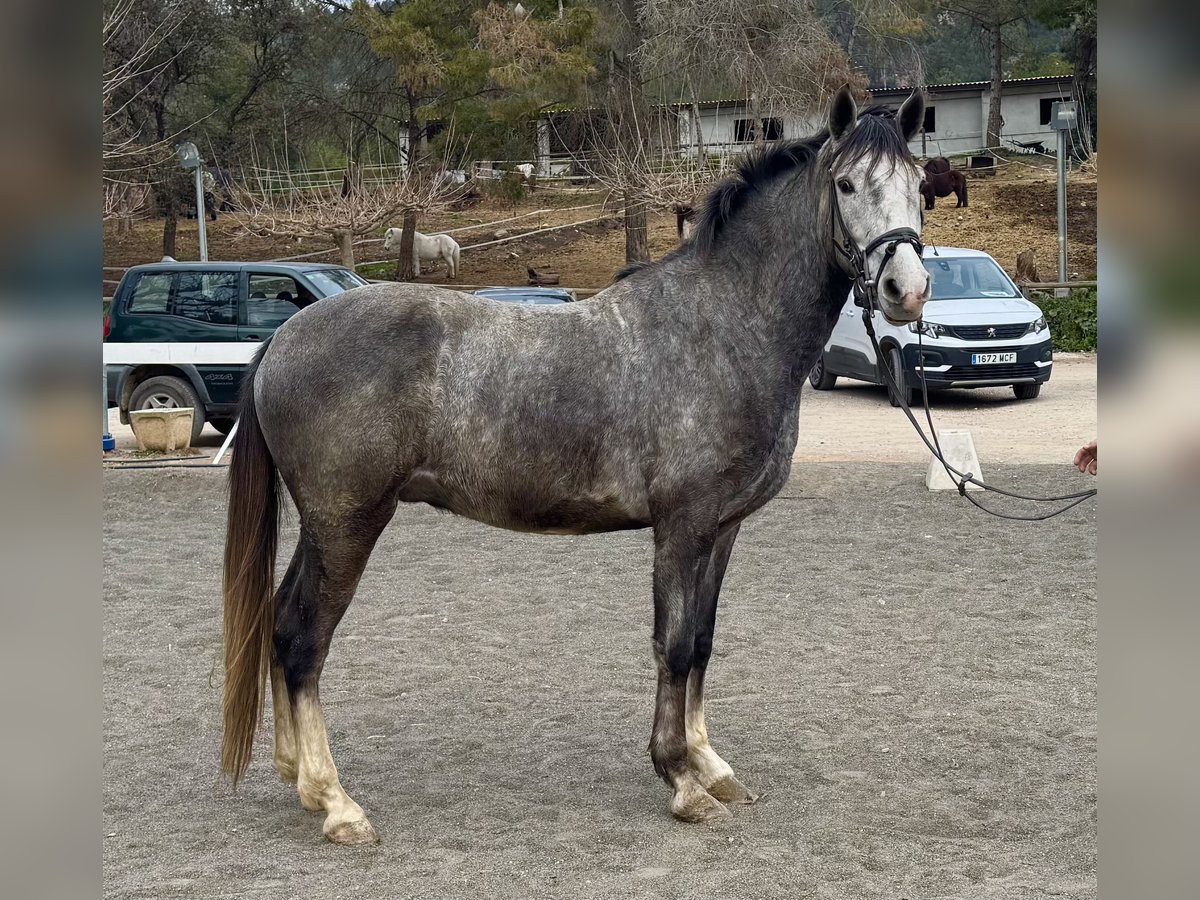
167	430
959	450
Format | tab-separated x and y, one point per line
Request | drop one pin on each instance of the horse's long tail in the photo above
250	541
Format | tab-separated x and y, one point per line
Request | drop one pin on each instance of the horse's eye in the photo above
845	186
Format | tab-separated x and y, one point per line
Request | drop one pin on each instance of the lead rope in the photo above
964	478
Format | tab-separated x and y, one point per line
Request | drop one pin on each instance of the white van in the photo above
977	330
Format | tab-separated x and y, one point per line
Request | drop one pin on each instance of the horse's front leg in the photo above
682	546
714	773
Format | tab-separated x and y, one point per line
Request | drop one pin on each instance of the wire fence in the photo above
581	169
482	226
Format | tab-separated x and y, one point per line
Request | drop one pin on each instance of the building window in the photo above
1047	108
930	125
744	130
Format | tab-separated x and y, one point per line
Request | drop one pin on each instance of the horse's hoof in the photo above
730	790
351	831
698	806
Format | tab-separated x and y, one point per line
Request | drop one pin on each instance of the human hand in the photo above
1085	459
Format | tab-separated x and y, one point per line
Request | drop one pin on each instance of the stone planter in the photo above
167	430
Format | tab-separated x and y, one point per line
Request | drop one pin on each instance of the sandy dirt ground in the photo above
854	421
910	684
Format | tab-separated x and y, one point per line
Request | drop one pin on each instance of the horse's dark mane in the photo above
876	138
626	271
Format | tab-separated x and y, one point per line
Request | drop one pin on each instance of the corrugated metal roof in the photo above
966	85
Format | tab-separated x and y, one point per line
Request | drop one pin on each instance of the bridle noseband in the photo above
854	260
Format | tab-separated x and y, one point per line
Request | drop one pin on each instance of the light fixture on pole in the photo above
1062	120
189	158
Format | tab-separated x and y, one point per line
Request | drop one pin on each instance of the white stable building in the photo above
956	114
955	120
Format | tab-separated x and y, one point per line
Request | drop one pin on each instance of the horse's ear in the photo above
912	115
843	114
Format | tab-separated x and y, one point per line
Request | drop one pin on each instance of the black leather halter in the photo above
853	259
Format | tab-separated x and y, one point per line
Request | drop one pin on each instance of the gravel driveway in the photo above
910	684
854	422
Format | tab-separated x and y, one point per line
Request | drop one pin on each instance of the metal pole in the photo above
225	446
106	439
200	214
1062	205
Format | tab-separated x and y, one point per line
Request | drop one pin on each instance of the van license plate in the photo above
992	359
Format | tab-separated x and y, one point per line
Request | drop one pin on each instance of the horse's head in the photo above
390	237
876	190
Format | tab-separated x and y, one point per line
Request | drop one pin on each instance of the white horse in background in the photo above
427	247
526	169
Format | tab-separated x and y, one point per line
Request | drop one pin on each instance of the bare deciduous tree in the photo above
130	44
882	35
779	53
649	167
123	200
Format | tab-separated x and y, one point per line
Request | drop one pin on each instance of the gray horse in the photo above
669	400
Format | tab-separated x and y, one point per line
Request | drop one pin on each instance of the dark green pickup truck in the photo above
181	334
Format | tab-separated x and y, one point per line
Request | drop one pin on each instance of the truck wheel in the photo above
169	392
222	424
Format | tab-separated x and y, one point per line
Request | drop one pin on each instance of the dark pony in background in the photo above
670	401
942	180
937	165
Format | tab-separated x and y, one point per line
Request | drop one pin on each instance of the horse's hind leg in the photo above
681	554
714	773
281	704
285	733
332	557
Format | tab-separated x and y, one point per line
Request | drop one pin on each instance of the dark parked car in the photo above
181	334
535	295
